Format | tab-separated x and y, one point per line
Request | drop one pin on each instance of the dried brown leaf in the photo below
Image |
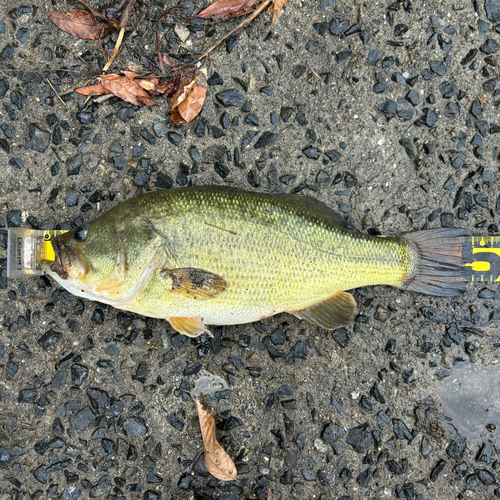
129	74
153	78
167	90
190	107
188	101
79	23
275	9
176	117
201	74
97	89
181	94
217	461
249	6
127	90
222	9
147	85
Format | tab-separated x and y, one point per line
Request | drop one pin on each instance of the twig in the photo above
102	98
52	87
117	48
225	37
315	74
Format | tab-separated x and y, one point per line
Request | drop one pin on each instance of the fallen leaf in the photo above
79	23
147	85
222	9
127	90
178	98
129	74
190	108
249	6
275	9
124	13
182	93
188	101
175	117
153	86
217	461
153	78
202	75
167	90
97	89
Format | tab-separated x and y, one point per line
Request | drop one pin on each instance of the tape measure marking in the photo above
486	249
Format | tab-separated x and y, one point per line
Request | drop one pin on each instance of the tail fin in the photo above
436	262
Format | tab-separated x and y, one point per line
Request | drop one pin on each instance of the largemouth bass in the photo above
220	256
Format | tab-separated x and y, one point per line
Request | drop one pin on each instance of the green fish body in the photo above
222	256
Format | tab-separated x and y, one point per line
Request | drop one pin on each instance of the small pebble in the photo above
231	97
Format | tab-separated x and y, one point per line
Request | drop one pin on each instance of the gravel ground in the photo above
387	113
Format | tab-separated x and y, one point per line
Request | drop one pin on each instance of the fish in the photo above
210	255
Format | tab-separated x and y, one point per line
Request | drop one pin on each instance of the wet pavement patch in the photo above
469	396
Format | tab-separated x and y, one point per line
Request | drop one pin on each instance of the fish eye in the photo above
81	233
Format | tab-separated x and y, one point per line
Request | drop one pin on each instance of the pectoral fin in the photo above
195	283
192	327
338	310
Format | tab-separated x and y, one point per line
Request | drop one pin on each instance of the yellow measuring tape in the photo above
485	258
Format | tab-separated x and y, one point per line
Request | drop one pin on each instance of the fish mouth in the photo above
69	263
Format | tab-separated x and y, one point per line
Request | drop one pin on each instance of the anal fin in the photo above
333	312
191	327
